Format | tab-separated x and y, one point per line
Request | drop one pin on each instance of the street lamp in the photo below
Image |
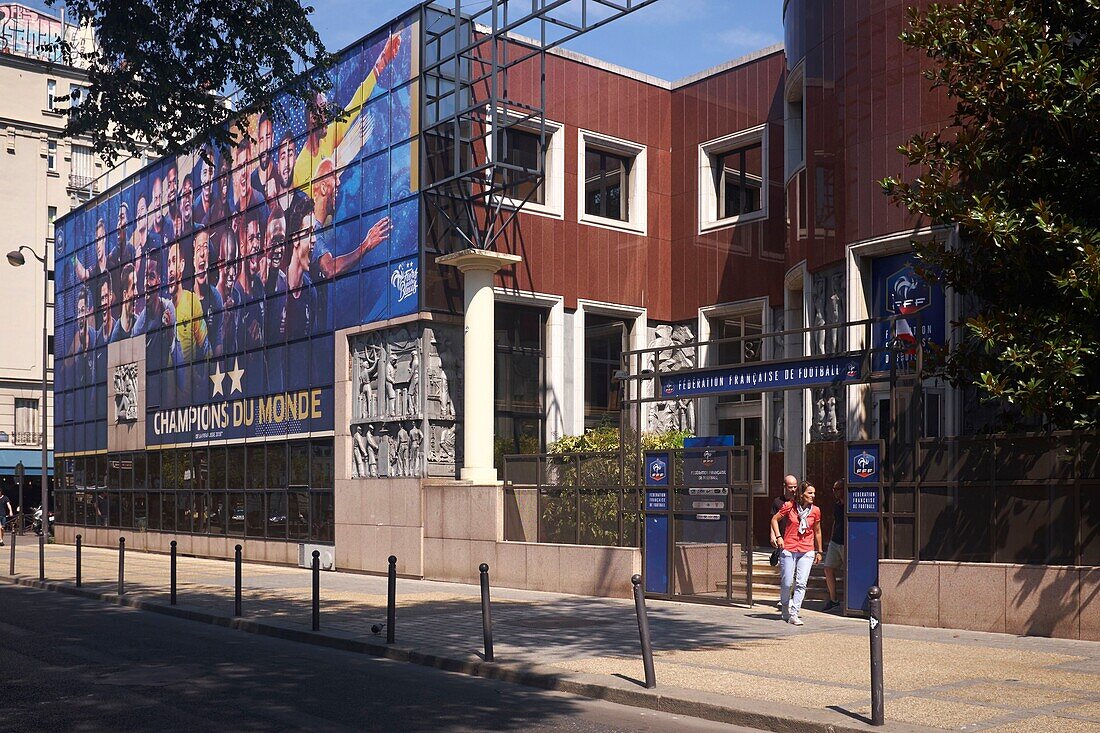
16	259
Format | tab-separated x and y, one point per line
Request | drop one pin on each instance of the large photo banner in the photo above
232	269
900	290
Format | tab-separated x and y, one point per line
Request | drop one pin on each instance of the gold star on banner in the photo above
236	374
218	378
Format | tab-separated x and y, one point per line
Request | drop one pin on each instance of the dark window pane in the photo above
139	472
323	465
520	148
321	516
126	503
235	514
298	515
153	468
141	511
276	466
113	509
955	523
606	178
254	514
235	468
168	511
217	469
200	515
298	464
216	513
276	514
200	467
738	176
1035	525
154	501
185	511
257	466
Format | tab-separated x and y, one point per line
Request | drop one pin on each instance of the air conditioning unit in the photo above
327	556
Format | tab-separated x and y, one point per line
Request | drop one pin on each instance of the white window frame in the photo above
639	335
51	155
77	93
794	96
553	185
709	152
708	406
637	184
51	95
554	381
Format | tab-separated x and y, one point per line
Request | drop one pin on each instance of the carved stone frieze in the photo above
126	393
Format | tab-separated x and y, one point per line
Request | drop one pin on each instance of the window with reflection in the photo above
739	180
605	339
519	381
525	150
606	184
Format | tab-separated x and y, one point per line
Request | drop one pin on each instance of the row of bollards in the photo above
874	596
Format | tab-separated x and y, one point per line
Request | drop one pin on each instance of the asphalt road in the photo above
69	664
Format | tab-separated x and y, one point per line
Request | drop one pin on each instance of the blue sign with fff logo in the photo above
863	463
656	524
862	543
656	469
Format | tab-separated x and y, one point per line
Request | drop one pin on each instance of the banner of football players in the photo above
235	269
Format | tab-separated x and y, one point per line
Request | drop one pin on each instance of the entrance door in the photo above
698	538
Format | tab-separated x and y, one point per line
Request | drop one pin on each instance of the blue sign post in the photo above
864	504
657	468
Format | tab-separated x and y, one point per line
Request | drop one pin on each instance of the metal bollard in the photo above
391	601
78	538
172	573
486	613
316	590
878	714
643	633
121	564
11	568
237	580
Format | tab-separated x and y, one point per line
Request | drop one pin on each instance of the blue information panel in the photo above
656	524
863	506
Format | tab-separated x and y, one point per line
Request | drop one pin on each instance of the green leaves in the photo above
160	68
1018	171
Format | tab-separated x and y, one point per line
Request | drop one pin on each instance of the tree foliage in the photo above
159	68
1018	169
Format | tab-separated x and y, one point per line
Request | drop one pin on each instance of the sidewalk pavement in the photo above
733	664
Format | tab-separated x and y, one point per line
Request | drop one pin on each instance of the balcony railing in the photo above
27	438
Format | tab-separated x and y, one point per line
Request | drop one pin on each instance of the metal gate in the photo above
697	543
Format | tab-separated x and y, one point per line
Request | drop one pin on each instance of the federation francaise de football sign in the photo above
824	371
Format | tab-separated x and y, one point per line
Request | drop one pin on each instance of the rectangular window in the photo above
733	179
604	341
51	155
81	175
520	372
607	184
51	95
738	180
76	95
523	149
51	215
27	431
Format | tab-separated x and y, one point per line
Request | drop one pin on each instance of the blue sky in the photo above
670	39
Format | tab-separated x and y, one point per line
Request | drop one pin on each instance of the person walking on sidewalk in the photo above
834	557
6	514
800	545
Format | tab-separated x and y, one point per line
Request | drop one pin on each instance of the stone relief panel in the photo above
674	414
126	396
399	428
827	301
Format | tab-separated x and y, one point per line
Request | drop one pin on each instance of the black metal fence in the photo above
571	498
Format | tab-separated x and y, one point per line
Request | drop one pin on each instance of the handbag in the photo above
774	559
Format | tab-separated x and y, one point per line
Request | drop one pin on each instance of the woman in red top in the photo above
800	545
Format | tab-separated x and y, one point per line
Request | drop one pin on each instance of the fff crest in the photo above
864	465
906	292
658	469
708	458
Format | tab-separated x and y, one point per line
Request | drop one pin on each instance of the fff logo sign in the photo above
658	469
906	292
864	465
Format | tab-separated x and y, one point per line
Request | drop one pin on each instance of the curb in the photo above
690	703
